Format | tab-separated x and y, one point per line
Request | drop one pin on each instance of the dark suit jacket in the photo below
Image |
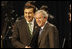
49	37
21	34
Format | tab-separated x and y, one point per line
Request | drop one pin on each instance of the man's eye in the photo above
30	12
40	18
25	12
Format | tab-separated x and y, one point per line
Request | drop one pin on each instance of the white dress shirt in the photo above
42	28
32	24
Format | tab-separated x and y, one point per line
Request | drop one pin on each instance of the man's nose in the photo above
37	19
27	14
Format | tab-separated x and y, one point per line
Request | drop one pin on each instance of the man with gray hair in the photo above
48	36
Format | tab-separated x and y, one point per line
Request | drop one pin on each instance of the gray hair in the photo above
45	14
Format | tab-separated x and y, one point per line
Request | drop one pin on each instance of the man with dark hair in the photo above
68	34
24	28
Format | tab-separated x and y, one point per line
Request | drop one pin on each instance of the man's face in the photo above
70	14
69	17
28	14
40	19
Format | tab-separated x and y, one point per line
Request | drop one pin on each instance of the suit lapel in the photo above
35	26
42	33
24	24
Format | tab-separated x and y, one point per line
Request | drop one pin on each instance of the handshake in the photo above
28	47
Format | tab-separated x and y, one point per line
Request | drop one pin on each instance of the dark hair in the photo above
69	7
29	5
44	7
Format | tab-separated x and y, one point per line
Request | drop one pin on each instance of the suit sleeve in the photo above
15	40
54	37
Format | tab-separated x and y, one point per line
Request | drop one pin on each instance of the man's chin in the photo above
39	25
29	20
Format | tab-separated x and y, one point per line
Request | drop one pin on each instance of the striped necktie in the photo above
30	27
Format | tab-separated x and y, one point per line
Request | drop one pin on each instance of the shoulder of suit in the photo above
51	25
19	20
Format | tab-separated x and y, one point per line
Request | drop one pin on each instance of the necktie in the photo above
30	27
40	31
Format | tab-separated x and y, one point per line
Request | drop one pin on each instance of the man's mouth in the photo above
29	16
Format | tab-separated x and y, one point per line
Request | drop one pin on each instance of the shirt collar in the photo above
44	25
31	21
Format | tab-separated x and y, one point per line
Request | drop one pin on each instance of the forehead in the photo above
28	9
38	15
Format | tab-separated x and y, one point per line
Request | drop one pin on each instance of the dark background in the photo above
59	9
